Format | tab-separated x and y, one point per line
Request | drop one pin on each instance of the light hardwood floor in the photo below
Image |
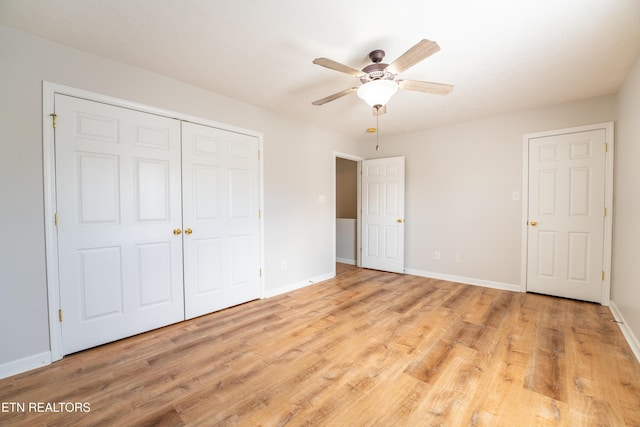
364	349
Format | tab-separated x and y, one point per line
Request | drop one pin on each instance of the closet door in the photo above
118	204
221	218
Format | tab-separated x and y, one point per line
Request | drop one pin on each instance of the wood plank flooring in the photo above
364	349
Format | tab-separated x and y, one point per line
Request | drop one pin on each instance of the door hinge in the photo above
56	219
606	147
604	211
602	275
259	213
60	315
54	116
259	154
261	272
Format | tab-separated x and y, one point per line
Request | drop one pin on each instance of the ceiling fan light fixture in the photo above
377	92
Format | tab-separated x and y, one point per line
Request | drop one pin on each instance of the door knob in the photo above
177	231
399	221
188	231
533	223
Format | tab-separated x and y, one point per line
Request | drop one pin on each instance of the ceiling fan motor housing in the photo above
377	70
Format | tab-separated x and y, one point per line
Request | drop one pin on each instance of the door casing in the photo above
48	140
608	127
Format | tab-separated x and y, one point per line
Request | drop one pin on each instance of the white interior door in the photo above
566	215
118	202
383	214
221	218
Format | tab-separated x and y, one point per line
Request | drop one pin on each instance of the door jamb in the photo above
608	202
49	90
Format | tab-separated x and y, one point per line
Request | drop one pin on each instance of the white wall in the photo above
346	240
459	185
297	227
625	278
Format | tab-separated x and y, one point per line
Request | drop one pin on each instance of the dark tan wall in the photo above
346	188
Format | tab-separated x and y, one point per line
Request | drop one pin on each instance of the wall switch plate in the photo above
436	255
515	195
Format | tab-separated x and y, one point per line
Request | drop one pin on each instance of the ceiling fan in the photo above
378	80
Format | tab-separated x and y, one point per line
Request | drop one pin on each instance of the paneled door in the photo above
566	215
383	214
119	215
221	218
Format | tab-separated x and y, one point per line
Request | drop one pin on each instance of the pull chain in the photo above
377	107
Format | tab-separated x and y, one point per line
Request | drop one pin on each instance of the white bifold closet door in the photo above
221	218
118	202
124	231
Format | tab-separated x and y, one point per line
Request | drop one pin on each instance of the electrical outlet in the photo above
458	258
283	265
436	255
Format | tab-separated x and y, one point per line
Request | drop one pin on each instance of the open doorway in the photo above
346	210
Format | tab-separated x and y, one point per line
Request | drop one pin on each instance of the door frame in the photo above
608	127
358	160
49	90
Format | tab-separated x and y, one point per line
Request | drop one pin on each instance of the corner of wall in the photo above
633	341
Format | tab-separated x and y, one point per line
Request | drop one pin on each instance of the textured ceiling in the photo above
501	55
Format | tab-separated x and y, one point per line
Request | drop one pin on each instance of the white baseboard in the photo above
346	261
298	285
25	364
633	341
465	280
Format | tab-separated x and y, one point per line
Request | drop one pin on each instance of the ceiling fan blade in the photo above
423	49
333	65
428	87
335	96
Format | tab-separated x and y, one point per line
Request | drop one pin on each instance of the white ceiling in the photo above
501	55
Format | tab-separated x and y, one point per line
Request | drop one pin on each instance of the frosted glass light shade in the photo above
377	92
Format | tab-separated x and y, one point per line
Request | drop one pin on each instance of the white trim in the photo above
49	90
347	156
465	280
608	202
50	232
524	255
299	285
359	214
25	364
608	220
346	261
633	341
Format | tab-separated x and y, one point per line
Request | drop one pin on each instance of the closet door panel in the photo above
118	202
220	214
